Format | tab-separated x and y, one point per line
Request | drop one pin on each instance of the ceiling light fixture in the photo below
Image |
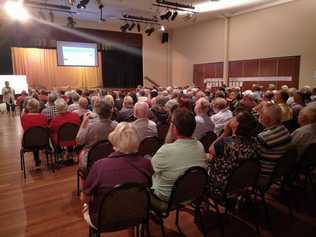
71	22
174	15
175	4
132	26
83	4
149	31
16	10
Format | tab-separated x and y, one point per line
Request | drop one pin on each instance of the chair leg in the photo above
21	152
198	216
23	164
220	220
312	184
287	200
52	161
137	231
266	209
78	184
163	232
177	221
147	228
253	212
93	233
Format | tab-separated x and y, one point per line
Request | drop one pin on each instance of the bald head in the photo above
271	115
307	115
141	110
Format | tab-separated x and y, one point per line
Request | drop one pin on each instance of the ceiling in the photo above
114	9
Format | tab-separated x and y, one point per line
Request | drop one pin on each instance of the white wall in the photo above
284	30
195	44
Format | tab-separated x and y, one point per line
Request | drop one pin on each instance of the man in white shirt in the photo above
144	126
204	123
222	116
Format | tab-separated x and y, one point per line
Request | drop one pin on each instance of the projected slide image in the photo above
76	56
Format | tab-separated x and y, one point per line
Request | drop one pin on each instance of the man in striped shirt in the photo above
273	141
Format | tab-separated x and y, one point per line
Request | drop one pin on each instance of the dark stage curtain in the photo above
121	69
6	59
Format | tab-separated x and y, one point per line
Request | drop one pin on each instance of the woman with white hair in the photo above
62	117
123	165
31	119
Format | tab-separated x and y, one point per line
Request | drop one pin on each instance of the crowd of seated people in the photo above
254	124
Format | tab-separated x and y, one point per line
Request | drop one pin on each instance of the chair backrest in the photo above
245	175
207	140
124	206
67	132
101	149
291	124
286	165
162	129
149	146
188	187
35	137
308	159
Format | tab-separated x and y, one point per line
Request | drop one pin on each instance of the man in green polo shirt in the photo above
172	160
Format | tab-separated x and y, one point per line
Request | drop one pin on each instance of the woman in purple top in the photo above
123	165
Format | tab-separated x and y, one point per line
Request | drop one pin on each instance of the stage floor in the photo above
45	204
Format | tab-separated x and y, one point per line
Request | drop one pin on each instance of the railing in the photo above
151	81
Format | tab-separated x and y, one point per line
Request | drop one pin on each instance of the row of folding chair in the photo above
38	139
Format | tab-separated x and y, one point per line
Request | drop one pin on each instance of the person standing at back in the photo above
8	97
173	159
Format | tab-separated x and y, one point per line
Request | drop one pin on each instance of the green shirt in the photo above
172	160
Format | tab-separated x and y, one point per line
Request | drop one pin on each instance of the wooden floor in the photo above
45	204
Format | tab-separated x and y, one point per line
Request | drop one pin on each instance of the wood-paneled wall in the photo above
264	67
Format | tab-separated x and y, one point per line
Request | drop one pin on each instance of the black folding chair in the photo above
188	188
125	206
307	165
36	139
241	183
162	129
291	125
149	146
207	140
101	149
283	174
66	137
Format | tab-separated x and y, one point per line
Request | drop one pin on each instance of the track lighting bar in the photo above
139	18
175	4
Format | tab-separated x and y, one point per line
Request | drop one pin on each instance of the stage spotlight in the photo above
149	31
71	22
124	27
83	4
16	10
174	15
168	15
132	26
138	27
